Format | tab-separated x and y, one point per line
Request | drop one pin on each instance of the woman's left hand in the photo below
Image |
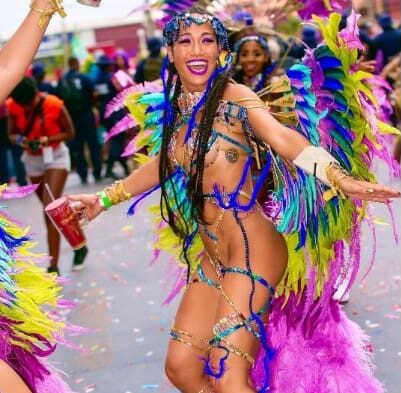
358	189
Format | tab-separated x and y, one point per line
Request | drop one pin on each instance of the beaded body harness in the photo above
227	114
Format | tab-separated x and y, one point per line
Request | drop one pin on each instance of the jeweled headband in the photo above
172	28
258	38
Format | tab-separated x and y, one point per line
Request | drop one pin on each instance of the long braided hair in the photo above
172	90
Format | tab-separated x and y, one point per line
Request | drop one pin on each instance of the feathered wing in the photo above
146	109
331	99
30	327
307	330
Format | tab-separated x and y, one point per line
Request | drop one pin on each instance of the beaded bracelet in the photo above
104	200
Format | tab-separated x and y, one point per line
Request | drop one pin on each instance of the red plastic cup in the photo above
91	3
66	221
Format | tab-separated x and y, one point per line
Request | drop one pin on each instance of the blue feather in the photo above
332	84
327	62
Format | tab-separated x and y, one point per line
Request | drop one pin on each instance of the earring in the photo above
225	59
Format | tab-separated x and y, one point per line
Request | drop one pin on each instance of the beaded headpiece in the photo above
172	29
258	38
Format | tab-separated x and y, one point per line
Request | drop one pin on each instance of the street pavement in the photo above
119	297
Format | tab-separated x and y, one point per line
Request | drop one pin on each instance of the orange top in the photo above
46	125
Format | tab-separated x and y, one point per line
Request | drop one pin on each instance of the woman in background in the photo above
254	62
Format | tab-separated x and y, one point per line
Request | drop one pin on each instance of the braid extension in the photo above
216	85
205	130
268	69
168	130
180	228
170	115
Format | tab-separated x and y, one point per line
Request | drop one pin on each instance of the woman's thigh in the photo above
192	327
254	268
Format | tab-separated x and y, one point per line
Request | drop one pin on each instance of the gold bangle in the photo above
116	193
46	14
335	173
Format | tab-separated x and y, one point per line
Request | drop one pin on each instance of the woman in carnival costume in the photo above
253	59
257	313
29	325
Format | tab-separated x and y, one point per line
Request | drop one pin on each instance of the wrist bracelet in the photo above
116	193
46	14
321	164
113	195
335	172
104	200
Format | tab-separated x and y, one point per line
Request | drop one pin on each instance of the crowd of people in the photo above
85	96
234	117
258	63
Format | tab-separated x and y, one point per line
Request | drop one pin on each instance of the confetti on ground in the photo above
392	316
150	386
371	325
127	228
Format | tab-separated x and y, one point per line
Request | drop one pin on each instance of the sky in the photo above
14	11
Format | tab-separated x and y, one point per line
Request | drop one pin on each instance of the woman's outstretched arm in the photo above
17	54
296	148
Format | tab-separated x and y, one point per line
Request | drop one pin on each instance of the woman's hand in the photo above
86	206
358	189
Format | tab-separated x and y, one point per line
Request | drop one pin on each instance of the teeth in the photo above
197	63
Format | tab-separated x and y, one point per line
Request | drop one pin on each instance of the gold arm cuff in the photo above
255	107
245	99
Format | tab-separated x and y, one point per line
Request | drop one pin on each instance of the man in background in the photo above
149	69
77	92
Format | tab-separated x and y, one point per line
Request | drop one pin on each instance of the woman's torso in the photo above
230	147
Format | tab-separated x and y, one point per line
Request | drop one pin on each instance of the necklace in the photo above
253	81
188	101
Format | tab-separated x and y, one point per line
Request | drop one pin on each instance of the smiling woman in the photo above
195	55
251	319
254	64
